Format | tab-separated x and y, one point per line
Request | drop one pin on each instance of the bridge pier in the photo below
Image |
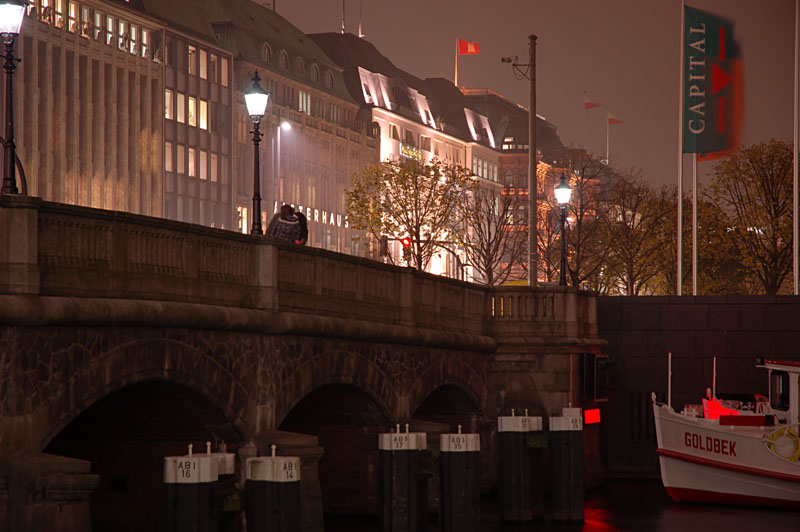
41	491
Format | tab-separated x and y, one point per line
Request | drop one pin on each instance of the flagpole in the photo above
795	201
608	141
694	224
456	75
680	159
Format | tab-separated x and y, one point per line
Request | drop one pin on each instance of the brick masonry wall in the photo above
641	330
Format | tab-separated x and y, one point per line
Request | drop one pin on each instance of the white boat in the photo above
743	453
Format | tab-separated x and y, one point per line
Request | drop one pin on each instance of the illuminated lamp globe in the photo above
11	14
256	99
563	191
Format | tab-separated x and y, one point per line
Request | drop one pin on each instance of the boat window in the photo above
779	390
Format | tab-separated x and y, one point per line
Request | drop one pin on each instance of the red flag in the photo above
589	103
468	48
613	120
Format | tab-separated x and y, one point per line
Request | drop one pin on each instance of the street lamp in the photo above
256	99
563	192
11	14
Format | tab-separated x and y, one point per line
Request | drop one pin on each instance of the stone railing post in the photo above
265	278
19	246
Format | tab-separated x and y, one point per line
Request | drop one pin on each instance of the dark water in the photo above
640	505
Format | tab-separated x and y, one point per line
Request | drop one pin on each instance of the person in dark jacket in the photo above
285	225
303	240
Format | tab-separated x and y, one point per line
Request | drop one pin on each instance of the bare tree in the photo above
496	234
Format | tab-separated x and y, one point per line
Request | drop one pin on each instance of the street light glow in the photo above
11	14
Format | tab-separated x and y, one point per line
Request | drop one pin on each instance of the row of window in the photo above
188	110
299	65
204	64
425	142
484	169
94	24
199	163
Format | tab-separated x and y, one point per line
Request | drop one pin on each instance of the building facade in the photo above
87	100
313	138
415	119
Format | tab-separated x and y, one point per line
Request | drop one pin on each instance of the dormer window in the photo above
315	73
284	61
266	53
299	67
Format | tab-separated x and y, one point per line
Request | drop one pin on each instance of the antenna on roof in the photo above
342	17
360	10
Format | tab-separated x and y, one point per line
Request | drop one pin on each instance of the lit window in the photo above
212	68
304	103
213	167
72	17
223	71
203	64
109	30
98	25
203	114
169	105
124	37
134	39
191	118
59	11
181	107
145	48
85	20
192	58
168	157
192	162
203	165
242	219
181	159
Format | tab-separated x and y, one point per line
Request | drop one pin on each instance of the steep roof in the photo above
182	15
244	28
509	119
350	52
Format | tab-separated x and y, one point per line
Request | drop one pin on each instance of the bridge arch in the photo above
331	368
151	359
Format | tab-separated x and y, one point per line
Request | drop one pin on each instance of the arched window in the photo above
299	67
329	80
509	178
284	60
314	73
266	53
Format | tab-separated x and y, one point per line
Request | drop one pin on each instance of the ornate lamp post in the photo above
11	14
256	99
563	192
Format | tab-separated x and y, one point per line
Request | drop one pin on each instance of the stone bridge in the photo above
123	337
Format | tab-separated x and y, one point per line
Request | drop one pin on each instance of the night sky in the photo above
624	53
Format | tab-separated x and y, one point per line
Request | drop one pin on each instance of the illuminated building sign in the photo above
319	216
411	152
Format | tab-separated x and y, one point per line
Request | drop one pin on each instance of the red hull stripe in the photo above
702	496
730	467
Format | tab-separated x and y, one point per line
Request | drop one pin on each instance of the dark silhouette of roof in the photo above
350	52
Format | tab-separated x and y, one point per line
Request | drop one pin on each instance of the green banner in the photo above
712	83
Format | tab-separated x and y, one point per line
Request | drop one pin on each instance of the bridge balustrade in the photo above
67	251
